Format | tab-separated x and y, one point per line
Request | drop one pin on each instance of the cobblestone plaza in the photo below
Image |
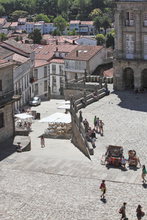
58	182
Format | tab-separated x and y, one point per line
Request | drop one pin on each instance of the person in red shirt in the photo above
103	189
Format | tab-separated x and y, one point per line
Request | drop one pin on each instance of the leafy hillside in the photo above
69	9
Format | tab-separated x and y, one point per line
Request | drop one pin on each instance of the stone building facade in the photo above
130	63
6	101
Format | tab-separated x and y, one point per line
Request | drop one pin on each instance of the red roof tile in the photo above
84	53
61	61
108	73
39	63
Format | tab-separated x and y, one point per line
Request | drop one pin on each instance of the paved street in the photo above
58	182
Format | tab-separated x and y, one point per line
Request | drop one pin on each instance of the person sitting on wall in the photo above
83	103
95	95
18	147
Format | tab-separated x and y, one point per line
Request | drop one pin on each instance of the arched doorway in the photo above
144	78
128	78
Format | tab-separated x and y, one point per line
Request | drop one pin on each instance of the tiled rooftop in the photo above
60	61
108	73
4	53
19	58
2	20
15	45
39	63
84	53
46	52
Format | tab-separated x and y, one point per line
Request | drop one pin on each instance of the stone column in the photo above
119	33
137	79
118	83
138	33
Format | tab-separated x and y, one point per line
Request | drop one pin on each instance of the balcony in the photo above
33	79
145	23
118	54
129	22
9	96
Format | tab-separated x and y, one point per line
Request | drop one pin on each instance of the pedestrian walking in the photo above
122	211
86	125
42	141
80	116
101	130
103	189
144	172
97	125
94	121
139	212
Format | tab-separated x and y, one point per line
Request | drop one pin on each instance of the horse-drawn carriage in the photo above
114	155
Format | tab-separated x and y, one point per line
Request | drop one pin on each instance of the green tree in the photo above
110	39
2	10
60	23
98	23
42	17
36	36
56	32
106	23
18	14
100	39
94	13
3	37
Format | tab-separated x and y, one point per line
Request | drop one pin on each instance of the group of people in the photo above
91	132
139	212
122	210
98	125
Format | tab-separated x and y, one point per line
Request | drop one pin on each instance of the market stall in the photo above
23	120
59	125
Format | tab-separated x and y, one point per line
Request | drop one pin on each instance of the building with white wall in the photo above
40	79
83	60
57	78
82	27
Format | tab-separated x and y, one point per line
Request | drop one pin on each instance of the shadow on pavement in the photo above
103	200
7	148
131	100
144	185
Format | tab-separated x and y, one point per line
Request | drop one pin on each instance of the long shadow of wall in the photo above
131	100
7	148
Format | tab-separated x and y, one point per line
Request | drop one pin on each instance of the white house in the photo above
86	41
82	27
21	79
83	60
40	79
57	78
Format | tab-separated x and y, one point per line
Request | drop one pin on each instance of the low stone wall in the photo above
73	92
7	131
78	140
25	142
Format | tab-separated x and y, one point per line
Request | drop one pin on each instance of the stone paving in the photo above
58	182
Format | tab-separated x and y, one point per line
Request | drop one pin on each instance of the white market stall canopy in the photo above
63	102
23	116
67	106
57	118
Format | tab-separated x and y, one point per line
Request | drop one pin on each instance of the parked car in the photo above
35	101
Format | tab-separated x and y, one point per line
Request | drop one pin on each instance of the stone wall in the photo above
78	140
8	130
133	57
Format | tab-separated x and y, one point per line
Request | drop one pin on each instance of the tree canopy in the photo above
68	9
42	17
36	36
